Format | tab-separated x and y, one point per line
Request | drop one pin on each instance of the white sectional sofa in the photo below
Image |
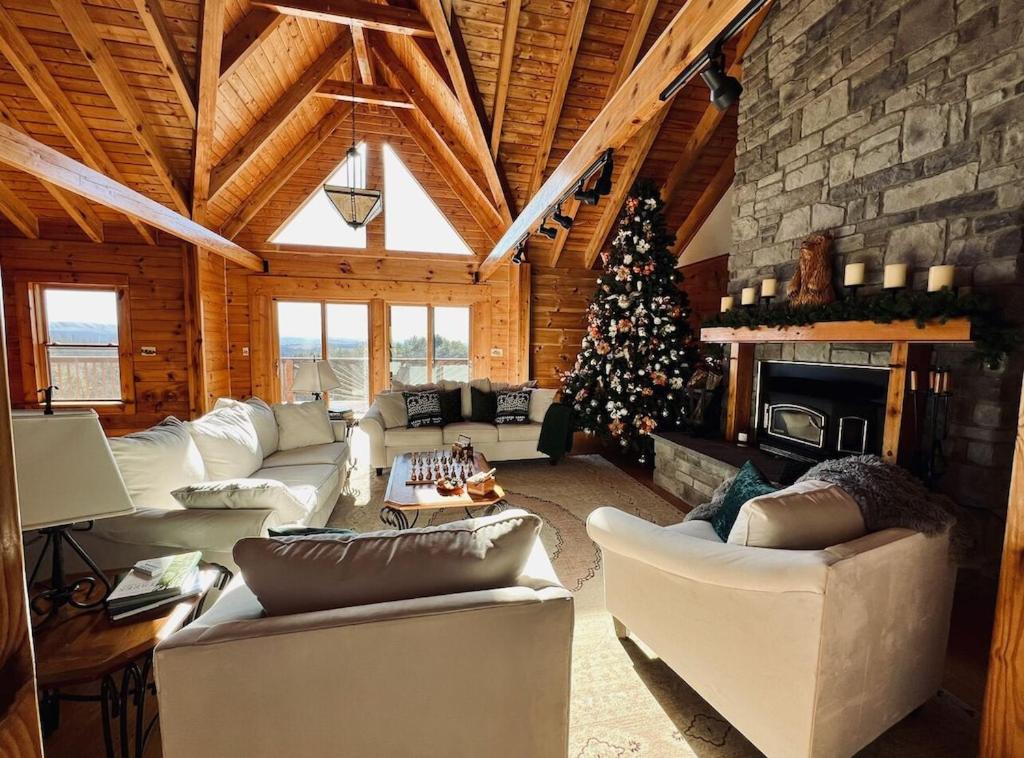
238	442
390	437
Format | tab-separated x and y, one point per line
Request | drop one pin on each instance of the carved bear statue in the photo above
812	282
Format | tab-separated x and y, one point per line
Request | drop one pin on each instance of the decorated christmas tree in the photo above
637	354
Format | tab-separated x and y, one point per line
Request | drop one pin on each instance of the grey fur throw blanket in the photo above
889	496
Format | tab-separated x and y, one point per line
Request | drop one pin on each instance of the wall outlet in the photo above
497	352
245	351
148	351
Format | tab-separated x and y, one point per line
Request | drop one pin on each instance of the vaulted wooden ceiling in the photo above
485	98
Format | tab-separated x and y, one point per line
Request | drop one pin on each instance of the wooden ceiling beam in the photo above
692	31
155	21
513	9
17	212
211	42
285	169
26	154
87	37
362	53
247	148
245	37
706	203
40	81
354	92
566	61
638	27
383	18
453	51
77	207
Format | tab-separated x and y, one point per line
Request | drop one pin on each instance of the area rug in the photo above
625	701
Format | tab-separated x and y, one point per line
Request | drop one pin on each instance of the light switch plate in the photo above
148	351
497	352
245	351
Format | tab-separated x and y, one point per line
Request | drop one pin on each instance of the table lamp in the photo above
315	377
67	478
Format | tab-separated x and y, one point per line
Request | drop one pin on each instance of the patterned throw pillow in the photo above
423	408
513	407
749	483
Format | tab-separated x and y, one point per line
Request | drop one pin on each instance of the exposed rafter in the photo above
33	71
77	207
285	169
638	27
362	53
18	213
245	37
706	203
29	155
691	32
566	61
211	41
508	49
383	18
155	21
87	37
247	148
374	94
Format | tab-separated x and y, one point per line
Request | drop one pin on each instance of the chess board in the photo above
410	486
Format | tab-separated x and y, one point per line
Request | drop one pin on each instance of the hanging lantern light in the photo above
357	205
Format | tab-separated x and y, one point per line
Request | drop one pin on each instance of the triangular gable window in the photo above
412	221
317	221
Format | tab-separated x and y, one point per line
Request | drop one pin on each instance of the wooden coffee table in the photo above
402	499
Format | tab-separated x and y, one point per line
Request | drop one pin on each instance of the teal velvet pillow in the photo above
305	531
749	483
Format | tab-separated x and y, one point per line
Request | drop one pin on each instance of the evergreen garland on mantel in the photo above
993	336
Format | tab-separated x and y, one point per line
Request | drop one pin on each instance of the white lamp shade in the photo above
66	472
315	376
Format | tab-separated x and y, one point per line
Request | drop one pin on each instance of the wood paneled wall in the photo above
156	284
705	282
559	300
208	329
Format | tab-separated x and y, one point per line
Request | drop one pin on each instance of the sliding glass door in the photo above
429	344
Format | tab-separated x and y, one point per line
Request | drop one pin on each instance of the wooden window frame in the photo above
430	334
29	287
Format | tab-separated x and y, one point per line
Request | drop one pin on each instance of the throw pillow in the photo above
306	531
540	401
484	406
451	406
302	425
809	515
262	416
392	409
304	574
423	408
512	406
484	385
749	483
226	438
243	494
156	461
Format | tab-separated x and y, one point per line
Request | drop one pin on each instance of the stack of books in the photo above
158	582
342	414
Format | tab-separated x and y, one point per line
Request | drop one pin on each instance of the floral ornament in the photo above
616	427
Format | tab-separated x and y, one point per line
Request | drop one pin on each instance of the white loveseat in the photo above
157	461
806	652
390	437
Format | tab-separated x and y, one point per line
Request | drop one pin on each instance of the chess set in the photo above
441	466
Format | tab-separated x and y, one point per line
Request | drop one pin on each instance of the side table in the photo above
81	647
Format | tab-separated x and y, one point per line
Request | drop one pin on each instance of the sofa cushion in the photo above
234	494
157	461
451	406
319	572
423	408
392	409
333	453
808	515
428	436
475	431
303	424
400	386
226	438
485	406
512	406
312	484
749	483
540	401
528	432
484	385
263	419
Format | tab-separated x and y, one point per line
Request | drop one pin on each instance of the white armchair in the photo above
806	652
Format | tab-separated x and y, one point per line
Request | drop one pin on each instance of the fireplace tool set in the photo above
931	423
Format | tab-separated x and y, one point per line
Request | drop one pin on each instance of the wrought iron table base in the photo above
397	519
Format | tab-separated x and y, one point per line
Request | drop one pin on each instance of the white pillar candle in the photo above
727	303
940	277
854	275
768	287
749	296
895	276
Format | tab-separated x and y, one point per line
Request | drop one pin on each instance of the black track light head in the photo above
519	256
561	219
587	197
548	231
604	182
725	89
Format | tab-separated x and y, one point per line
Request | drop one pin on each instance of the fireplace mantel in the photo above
911	351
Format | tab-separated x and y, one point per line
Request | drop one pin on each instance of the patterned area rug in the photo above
625	701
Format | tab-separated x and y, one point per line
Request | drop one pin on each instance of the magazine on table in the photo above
155	579
200	582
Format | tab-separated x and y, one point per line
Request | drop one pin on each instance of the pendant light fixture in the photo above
357	205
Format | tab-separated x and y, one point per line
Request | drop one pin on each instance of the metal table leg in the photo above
396	518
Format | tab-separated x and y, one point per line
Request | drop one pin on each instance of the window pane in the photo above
81	317
348	350
409	343
85	373
451	333
299	339
455	372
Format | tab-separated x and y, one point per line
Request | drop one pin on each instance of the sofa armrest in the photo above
716	563
373	424
206	529
340	429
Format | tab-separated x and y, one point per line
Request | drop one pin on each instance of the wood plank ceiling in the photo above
437	75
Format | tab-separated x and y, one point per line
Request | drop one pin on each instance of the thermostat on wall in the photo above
497	352
148	350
